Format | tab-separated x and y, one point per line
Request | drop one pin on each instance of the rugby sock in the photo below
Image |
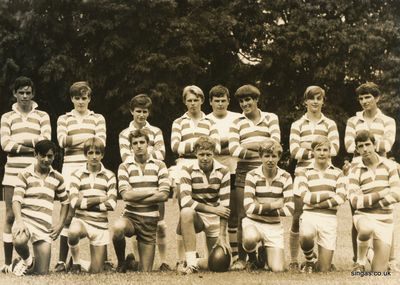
75	253
362	247
180	248
135	248
8	248
28	261
310	256
294	245
63	246
162	248
119	247
191	258
233	242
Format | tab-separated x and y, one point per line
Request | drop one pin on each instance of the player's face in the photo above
81	103
44	161
270	160
94	156
139	146
193	103
366	149
140	115
248	104
322	154
205	158
368	101
219	105
24	96
314	105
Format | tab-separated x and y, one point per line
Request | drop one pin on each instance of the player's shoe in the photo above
294	266
309	267
165	267
108	266
180	265
358	267
333	268
131	263
238	265
6	269
19	268
60	267
187	270
75	268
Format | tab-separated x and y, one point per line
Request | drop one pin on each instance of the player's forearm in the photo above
63	213
135	196
16	207
201	207
223	226
155	198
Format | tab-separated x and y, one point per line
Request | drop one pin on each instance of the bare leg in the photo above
146	255
7	236
42	252
381	256
325	257
276	258
97	254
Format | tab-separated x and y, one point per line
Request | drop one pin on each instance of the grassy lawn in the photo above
342	260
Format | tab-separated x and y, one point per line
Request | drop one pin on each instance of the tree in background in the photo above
157	47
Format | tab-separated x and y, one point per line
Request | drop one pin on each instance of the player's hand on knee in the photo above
222	211
55	231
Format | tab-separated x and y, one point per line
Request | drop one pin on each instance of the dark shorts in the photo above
145	227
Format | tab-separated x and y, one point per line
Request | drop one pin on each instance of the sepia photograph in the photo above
199	142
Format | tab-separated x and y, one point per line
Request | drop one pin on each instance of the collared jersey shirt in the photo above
132	178
185	132
223	126
81	129
156	146
244	130
258	190
17	130
382	127
364	183
36	196
196	188
302	134
325	188
86	185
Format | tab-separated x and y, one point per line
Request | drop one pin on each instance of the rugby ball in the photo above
218	261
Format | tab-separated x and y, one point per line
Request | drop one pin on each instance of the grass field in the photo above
342	260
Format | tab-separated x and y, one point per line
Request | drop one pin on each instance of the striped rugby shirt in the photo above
17	130
244	130
382	127
258	192
36	196
195	188
132	178
365	185
185	133
302	134
86	185
80	129
156	146
323	188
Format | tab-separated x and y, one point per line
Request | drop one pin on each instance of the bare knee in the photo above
118	230
364	230
9	217
161	230
251	238
20	240
74	234
187	215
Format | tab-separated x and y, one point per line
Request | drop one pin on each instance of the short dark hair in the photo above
313	91
79	89
138	134
43	146
204	143
363	136
94	142
218	91
23	81
368	88
247	91
140	101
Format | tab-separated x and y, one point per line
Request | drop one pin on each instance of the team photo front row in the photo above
226	180
204	194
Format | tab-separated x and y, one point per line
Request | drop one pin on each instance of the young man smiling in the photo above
33	202
20	131
374	186
245	136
